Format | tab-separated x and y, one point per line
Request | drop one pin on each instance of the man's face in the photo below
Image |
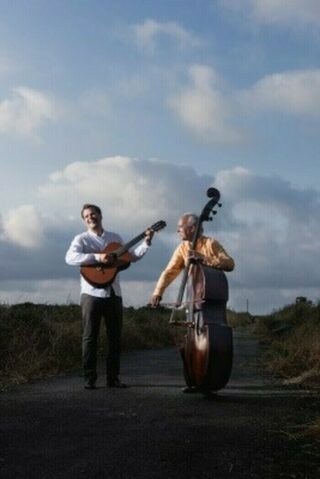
92	219
184	230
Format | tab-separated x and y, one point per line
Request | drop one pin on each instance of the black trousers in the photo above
93	311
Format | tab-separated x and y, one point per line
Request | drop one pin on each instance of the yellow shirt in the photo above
214	256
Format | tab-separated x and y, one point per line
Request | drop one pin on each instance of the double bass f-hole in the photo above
199	325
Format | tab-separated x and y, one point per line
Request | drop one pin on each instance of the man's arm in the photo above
172	270
143	247
76	256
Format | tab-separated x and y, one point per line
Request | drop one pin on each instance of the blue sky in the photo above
140	106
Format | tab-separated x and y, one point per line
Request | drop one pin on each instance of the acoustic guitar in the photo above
101	275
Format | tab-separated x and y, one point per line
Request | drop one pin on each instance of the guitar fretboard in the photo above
127	246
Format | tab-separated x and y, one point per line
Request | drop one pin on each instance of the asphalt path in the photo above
55	429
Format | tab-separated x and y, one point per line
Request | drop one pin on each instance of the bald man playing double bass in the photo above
208	251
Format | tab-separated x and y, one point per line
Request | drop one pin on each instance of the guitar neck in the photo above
131	243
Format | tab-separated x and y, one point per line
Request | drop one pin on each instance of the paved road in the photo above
54	429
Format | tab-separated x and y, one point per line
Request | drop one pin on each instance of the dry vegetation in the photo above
41	340
37	340
292	335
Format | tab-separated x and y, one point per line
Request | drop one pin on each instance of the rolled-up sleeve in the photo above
139	251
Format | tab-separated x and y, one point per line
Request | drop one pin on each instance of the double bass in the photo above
207	347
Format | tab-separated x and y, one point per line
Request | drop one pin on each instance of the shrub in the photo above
37	340
293	337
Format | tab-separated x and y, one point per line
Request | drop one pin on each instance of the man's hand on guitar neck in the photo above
148	236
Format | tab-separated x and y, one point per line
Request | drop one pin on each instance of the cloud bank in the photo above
131	192
268	226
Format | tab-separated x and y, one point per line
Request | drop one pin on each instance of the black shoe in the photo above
116	383
189	390
90	384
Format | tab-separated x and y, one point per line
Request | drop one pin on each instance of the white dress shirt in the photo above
85	248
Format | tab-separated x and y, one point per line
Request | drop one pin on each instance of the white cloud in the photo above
24	226
205	109
296	93
292	14
26	111
146	33
131	192
212	111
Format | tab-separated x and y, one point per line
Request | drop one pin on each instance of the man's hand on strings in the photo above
108	259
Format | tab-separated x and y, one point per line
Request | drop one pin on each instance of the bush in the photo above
36	340
293	338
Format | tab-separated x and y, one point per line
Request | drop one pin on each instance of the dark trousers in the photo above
93	310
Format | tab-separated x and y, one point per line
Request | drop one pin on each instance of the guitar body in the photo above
207	351
101	275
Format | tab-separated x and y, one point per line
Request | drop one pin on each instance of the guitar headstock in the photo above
159	225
